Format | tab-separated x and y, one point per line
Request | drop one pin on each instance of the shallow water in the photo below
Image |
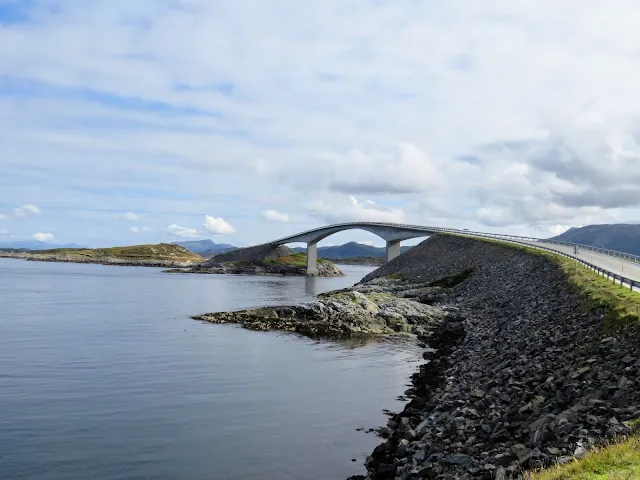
103	375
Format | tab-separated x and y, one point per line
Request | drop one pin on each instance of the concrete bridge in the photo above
618	266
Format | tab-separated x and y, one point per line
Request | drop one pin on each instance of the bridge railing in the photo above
428	230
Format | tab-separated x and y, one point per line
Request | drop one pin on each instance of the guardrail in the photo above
599	270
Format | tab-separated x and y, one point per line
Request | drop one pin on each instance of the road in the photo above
619	266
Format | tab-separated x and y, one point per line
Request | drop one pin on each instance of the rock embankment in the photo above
527	376
262	260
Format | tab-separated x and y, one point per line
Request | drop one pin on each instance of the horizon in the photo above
244	122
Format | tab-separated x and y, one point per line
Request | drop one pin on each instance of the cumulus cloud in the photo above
217	226
130	216
43	237
26	210
183	232
348	209
558	229
274	216
138	230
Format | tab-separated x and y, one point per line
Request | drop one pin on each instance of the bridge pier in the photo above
393	249
312	258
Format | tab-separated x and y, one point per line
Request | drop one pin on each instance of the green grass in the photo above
298	259
159	251
397	276
452	280
620	461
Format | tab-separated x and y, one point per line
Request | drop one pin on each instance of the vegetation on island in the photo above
162	251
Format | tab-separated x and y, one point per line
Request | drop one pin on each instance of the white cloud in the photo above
3	217
183	232
130	216
137	230
217	226
26	210
43	237
337	210
274	216
558	229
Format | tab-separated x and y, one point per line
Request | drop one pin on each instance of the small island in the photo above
261	260
160	255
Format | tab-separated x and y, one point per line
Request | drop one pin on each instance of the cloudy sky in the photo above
245	120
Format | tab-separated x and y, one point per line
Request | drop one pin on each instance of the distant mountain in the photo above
206	248
621	237
350	250
34	245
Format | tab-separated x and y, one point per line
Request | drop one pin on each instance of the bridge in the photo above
618	266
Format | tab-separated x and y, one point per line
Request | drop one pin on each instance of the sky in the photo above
243	121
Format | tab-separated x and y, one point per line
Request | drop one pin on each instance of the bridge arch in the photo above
391	233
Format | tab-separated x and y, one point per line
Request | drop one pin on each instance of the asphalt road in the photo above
619	266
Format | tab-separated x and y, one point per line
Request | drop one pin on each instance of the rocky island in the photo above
261	260
160	255
529	362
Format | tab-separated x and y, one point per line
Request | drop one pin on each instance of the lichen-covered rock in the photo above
339	313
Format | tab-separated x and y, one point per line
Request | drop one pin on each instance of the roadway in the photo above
619	266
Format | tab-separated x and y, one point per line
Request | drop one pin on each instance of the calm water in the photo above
104	376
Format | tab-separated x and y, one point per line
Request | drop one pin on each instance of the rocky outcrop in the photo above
325	269
367	310
262	260
526	376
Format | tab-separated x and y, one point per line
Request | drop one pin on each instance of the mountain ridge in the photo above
622	237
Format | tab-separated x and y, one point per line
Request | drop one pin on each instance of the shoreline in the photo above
109	261
520	373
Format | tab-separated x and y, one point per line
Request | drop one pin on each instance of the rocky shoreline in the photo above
325	269
521	370
369	309
128	262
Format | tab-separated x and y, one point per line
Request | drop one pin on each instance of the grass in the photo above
159	251
298	259
396	276
452	280
620	461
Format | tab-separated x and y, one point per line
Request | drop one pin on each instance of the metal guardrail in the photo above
522	240
601	271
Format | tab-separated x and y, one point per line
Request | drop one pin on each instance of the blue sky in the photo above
126	122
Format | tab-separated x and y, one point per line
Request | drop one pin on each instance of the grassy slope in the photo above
619	461
162	251
295	260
